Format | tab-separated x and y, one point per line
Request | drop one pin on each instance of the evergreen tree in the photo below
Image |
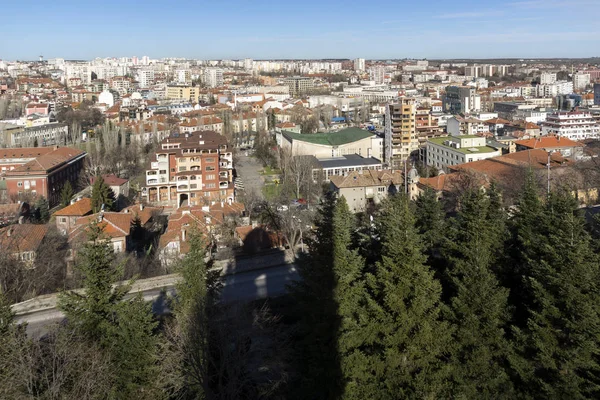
406	341
42	210
102	315
430	219
559	341
6	315
66	194
319	375
102	194
478	303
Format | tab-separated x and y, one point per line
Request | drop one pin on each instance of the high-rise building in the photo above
213	77
359	64
248	64
461	99
597	94
146	77
575	125
581	80
474	71
400	131
299	85
183	77
547	78
377	74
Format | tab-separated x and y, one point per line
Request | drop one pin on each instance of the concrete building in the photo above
581	80
461	99
360	188
145	77
344	165
597	94
547	78
334	144
566	147
299	85
183	92
458	125
359	64
41	135
190	169
400	131
213	77
453	150
576	125
377	74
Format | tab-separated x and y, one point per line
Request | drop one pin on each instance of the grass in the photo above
271	191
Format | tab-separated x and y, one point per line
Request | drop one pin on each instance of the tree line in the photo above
486	302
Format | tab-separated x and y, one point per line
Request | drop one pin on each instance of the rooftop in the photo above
548	142
368	178
349	160
466	150
341	137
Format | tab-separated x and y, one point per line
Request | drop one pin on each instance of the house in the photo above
67	217
566	147
119	186
116	228
362	187
22	241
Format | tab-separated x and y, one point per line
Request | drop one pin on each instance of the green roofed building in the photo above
453	150
333	144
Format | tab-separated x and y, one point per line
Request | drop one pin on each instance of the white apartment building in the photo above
554	89
377	74
359	64
453	150
581	81
576	125
547	78
213	77
146	77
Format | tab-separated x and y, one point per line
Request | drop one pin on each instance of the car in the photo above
282	207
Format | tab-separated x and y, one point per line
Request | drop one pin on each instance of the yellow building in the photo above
189	93
401	133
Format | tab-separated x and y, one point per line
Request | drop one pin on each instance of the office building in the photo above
461	99
453	150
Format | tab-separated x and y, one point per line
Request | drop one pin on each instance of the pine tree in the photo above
430	219
102	194
406	341
66	194
320	375
478	304
6	315
560	340
43	210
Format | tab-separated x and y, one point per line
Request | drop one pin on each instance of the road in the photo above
248	169
244	286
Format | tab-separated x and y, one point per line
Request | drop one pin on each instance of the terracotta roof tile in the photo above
80	208
22	238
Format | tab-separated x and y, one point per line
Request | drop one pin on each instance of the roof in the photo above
466	150
25	152
545	142
113	225
77	209
111	180
367	178
22	238
348	160
339	138
48	161
143	213
439	183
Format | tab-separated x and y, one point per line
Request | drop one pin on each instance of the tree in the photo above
558	337
405	340
429	221
42	210
6	315
478	303
101	315
66	194
102	194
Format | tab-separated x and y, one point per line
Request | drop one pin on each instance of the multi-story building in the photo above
453	150
473	71
191	169
361	188
461	99
41	135
359	64
547	78
183	77
377	74
183	92
333	144
400	131
576	125
213	77
299	85
581	80
44	174
458	125
597	94
554	89
146	77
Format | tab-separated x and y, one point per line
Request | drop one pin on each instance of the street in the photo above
244	286
248	169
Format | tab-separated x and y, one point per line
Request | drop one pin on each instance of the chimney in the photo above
183	234
141	207
9	232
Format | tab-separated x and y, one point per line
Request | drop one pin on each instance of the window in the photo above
20	184
63	220
210	159
210	168
192	195
211	177
182	169
193	186
381	189
193	178
211	185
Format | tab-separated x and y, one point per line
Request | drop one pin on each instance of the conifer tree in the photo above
560	339
42	210
66	194
430	222
406	341
6	315
102	194
478	303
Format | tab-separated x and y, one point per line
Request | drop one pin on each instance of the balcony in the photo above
223	185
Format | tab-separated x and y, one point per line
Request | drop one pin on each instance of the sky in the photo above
309	29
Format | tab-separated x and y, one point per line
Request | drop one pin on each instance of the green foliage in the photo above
102	194
6	315
42	210
430	219
66	194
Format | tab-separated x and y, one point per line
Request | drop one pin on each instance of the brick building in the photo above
190	169
44	171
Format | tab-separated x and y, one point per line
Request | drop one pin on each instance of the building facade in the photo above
576	125
299	85
191	169
461	99
400	131
453	150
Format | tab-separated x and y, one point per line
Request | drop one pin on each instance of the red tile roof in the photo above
22	238
78	209
546	142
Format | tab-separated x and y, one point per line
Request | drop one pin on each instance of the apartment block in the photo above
299	85
461	99
400	131
191	169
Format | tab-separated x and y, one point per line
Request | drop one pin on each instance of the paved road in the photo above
244	286
248	170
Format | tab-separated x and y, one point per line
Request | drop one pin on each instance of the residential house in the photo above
22	241
566	147
360	188
66	218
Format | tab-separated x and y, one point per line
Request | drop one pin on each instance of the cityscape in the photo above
291	209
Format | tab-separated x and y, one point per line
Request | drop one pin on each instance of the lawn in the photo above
271	191
270	171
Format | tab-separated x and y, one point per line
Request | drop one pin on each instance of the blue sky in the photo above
82	29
